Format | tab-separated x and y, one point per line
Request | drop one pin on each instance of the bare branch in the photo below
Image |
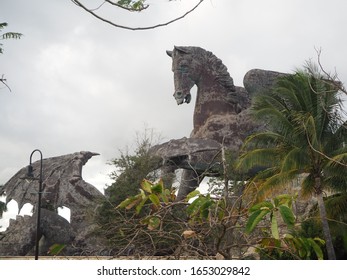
97	8
334	80
3	81
319	152
91	11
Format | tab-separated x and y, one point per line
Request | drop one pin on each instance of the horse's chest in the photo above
209	109
230	129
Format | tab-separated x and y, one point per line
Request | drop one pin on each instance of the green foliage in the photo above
282	245
199	210
133	5
255	218
291	247
306	135
337	217
260	210
156	194
130	169
144	224
56	249
135	217
203	225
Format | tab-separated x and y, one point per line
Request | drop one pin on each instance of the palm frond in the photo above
305	134
336	206
311	133
257	157
262	139
276	183
3	25
295	159
339	159
338	138
307	186
11	35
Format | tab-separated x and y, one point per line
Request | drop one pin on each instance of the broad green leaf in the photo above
166	195
303	246
133	203
321	241
55	249
205	208
287	215
142	194
130	202
157	188
192	194
155	199
195	205
316	248
297	244
274	226
146	186
306	244
262	205
255	218
140	205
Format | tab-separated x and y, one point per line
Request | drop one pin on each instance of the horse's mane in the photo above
217	66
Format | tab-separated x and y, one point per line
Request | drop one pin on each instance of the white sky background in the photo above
80	84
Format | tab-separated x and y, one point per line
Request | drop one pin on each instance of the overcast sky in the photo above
80	84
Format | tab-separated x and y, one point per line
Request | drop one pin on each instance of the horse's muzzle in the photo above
181	98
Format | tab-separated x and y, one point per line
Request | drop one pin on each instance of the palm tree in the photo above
306	136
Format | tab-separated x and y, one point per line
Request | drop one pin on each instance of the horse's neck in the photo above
211	100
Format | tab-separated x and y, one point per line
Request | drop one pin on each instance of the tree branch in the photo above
3	81
319	152
334	80
91	11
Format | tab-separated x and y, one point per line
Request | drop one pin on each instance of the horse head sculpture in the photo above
189	65
184	79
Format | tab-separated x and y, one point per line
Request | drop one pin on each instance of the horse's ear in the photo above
182	49
169	53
